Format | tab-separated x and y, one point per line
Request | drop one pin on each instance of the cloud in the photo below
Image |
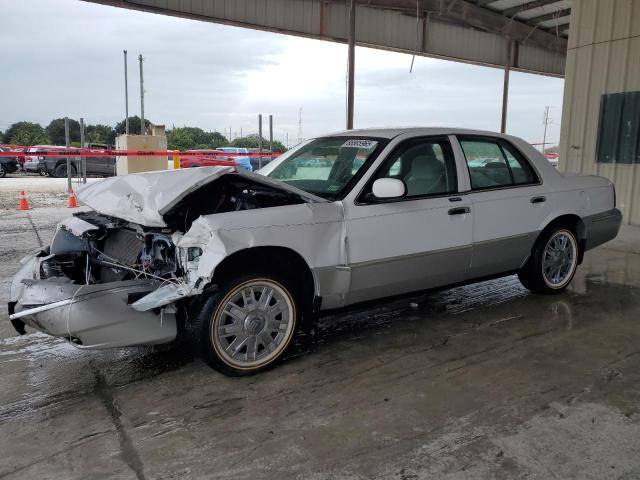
65	58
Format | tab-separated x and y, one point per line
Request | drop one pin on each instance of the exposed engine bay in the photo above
108	281
227	194
106	249
114	250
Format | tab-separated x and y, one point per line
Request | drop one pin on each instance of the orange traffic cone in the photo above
23	202
72	199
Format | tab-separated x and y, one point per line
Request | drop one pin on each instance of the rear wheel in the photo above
553	262
3	171
248	324
61	171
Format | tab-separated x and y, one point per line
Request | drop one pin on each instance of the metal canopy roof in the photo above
471	31
550	15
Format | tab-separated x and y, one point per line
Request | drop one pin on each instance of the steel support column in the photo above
67	143
351	64
505	87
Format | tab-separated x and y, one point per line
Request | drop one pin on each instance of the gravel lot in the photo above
482	381
40	191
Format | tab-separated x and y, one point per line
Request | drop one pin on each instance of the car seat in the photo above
427	175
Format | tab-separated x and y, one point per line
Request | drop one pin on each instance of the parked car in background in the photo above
553	158
7	164
205	158
242	160
32	160
240	262
258	161
19	159
55	166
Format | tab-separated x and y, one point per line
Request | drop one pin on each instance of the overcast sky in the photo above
64	57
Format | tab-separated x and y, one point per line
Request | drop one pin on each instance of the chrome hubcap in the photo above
254	323
558	259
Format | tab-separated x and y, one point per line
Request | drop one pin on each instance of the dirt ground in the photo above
483	381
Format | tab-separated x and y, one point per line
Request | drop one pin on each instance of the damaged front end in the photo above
85	286
115	276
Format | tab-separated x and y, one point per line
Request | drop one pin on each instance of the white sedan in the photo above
240	262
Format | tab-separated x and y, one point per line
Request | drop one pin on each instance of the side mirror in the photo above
388	188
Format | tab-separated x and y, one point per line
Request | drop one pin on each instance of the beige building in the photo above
601	112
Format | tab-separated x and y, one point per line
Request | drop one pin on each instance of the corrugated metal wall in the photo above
375	27
603	57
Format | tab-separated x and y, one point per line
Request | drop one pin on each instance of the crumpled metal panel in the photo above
142	197
314	231
97	316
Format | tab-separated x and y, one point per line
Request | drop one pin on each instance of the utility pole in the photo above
546	121
83	160
260	140
271	133
143	131
287	140
126	96
300	125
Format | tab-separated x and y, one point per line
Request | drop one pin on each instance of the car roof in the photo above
392	132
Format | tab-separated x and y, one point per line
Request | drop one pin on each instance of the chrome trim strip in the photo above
42	308
410	256
501	239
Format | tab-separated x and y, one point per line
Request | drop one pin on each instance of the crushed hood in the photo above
143	198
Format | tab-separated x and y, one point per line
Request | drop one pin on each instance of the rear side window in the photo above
494	164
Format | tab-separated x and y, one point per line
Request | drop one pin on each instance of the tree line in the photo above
180	138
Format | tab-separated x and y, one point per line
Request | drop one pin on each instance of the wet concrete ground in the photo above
483	381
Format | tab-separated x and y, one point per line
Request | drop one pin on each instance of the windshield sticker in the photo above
359	143
333	188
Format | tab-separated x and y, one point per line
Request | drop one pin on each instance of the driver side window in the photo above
426	166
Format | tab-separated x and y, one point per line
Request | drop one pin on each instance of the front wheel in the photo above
3	171
553	262
248	324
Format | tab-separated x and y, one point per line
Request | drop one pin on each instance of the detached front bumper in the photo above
92	316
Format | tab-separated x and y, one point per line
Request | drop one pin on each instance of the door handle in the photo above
538	199
459	211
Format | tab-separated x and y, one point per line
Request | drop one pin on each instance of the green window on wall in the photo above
619	128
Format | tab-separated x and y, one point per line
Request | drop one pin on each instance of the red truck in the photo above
205	158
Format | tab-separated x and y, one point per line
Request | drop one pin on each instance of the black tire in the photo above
533	276
43	172
208	314
61	171
3	171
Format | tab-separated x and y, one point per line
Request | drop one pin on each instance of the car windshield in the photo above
325	166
